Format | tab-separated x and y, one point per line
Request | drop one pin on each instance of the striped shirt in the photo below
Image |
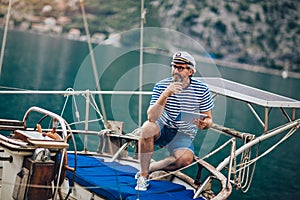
195	98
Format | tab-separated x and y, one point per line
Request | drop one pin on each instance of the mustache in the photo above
177	78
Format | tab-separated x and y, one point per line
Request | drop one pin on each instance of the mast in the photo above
143	15
5	35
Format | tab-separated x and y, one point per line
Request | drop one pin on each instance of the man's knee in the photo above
184	158
149	130
184	161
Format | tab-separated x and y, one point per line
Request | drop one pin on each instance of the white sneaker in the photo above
137	175
142	184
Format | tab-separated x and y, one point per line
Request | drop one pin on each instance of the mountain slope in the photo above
254	32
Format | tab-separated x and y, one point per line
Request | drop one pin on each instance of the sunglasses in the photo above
179	68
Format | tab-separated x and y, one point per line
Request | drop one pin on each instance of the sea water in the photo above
39	62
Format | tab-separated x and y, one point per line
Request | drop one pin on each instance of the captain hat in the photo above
184	57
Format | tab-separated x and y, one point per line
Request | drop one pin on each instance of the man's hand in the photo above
175	87
155	111
206	122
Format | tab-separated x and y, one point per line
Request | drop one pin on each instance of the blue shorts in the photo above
172	139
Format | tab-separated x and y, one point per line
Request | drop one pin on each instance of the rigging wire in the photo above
13	88
94	66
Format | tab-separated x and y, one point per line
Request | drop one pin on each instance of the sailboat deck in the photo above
113	181
249	94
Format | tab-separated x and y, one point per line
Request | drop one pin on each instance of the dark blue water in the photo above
41	62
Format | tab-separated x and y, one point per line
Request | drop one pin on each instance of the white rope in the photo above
243	166
246	155
93	104
96	108
77	114
271	148
82	122
216	150
195	162
66	101
247	164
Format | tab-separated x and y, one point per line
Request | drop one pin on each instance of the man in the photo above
181	92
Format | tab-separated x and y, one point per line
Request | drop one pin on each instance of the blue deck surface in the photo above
113	181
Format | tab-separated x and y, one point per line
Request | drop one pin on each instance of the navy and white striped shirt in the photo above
195	98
